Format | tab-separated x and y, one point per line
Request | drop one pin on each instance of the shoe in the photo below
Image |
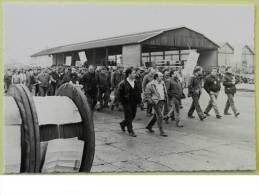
227	113
190	116
207	114
122	127
172	118
218	116
202	118
163	134
237	114
179	124
132	134
150	129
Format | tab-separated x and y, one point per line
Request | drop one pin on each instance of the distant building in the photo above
225	55
247	59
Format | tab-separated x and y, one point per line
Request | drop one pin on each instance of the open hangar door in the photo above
208	59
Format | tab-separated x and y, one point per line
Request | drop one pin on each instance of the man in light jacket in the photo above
156	95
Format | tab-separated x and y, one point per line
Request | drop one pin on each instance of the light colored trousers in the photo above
213	103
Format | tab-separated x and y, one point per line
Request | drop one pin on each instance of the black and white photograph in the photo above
128	88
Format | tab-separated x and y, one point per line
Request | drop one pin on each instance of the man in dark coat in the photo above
90	83
194	91
212	87
229	82
129	95
175	93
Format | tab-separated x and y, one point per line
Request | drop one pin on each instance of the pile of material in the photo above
63	155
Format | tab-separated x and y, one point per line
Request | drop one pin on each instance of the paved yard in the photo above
226	144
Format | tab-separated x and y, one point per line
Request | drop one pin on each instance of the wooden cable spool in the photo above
34	131
30	140
88	134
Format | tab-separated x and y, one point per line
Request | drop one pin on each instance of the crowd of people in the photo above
160	90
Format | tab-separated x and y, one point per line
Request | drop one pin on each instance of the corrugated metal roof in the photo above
113	41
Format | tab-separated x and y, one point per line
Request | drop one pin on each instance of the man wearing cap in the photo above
156	95
194	91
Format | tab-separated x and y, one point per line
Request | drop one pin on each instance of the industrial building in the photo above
247	60
170	46
225	55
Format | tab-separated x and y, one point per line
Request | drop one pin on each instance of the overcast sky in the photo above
29	28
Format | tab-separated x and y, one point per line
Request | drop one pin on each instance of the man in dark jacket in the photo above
129	95
175	93
212	87
89	81
194	91
229	82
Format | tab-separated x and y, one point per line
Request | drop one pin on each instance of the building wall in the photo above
225	56
208	59
183	38
131	55
247	60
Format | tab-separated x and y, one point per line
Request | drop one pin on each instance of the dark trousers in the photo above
37	90
196	106
103	96
92	100
230	103
52	89
43	90
130	110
